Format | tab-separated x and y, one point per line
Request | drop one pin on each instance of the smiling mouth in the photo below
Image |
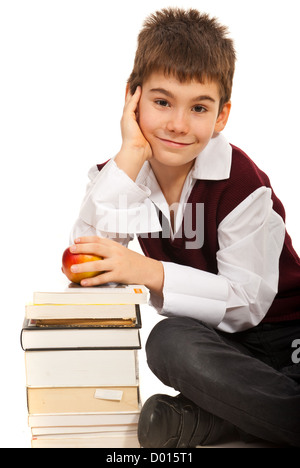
175	144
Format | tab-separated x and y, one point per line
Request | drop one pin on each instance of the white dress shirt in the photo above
251	239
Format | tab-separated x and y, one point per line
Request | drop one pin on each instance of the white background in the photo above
64	66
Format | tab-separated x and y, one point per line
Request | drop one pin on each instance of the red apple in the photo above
70	259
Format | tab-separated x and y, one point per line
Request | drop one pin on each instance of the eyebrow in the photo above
170	95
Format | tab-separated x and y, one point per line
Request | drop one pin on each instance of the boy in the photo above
218	261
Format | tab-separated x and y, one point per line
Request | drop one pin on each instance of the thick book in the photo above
82	400
81	368
112	294
80	311
74	335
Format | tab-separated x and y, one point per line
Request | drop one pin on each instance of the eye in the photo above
199	109
162	102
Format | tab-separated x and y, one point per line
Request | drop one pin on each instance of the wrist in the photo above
131	160
154	276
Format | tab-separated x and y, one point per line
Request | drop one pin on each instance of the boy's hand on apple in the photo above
116	263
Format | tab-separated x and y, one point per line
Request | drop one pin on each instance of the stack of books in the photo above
81	364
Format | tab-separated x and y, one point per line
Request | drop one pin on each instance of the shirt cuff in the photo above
114	203
194	293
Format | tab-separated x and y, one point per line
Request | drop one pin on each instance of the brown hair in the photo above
187	45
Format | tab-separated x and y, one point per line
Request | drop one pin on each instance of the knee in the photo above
169	341
162	341
162	347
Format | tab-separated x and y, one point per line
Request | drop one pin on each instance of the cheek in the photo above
146	123
147	119
204	130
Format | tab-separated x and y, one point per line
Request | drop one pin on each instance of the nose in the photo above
178	123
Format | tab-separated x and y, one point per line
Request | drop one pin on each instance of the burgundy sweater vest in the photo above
220	198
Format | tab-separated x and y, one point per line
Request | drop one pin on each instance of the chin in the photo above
173	159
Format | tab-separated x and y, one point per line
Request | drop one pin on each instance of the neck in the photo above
171	179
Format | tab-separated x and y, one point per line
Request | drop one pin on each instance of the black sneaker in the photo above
168	422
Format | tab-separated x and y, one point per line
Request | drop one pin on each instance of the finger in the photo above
93	240
132	100
136	94
97	280
97	249
89	267
87	240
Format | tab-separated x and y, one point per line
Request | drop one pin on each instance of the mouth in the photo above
174	144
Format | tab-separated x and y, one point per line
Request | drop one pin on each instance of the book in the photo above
113	294
81	368
60	334
80	311
65	430
81	365
94	440
83	419
82	400
81	323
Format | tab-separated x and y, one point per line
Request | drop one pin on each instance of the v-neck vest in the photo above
213	200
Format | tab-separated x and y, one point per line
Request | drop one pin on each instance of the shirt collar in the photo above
214	162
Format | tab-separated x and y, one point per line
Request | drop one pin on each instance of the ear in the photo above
223	117
127	90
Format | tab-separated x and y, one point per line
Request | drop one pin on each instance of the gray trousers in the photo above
250	379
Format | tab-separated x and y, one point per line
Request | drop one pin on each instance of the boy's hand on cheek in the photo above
132	136
118	264
135	148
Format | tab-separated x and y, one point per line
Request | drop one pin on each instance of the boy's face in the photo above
179	119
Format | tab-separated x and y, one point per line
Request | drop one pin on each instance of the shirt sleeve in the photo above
116	207
251	239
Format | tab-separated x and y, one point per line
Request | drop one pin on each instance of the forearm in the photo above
115	206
